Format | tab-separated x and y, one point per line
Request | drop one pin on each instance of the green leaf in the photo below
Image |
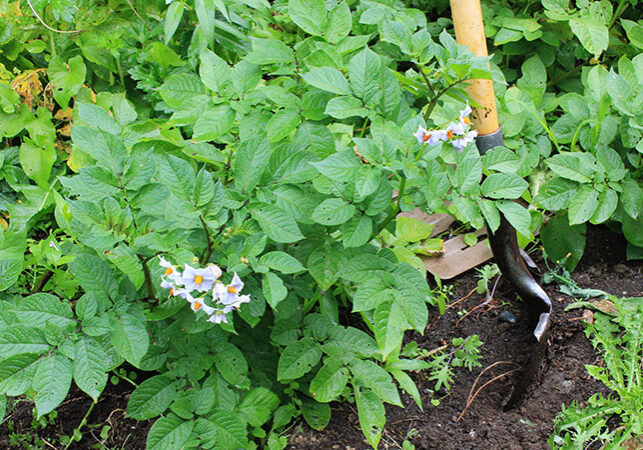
339	24
357	231
51	382
607	202
517	216
37	161
309	15
16	373
632	198
279	226
561	239
330	381
323	265
556	193
258	405
39	309
297	359
344	107
270	51
503	185
282	124
364	71
152	397
169	433
340	166
94	275
389	325
108	150
490	212
349	340
368	374
251	159
232	365
67	78
205	11
408	385
129	337
593	34
371	413
409	229
126	260
89	367
316	414
181	91
173	17
215	73
273	289
582	205
213	123
177	175
97	117
333	211
17	339
327	79
282	262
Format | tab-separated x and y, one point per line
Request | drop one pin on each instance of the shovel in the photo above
469	30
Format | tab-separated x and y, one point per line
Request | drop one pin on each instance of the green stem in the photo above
82	423
208	252
434	99
148	278
41	281
426	80
363	130
622	6
572	146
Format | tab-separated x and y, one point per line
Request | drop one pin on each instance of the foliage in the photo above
616	418
268	139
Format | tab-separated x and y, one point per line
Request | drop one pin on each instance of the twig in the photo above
137	14
461	299
485	303
43	439
472	396
47	26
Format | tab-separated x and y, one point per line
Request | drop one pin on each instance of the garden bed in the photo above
563	377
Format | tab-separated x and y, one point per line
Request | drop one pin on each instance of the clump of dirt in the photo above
562	378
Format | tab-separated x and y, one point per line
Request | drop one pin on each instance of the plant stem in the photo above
434	99
208	252
148	278
81	424
41	282
622	5
565	75
426	80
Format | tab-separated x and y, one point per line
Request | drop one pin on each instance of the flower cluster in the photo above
206	280
456	133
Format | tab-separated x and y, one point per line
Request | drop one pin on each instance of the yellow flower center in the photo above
197	306
171	291
466	120
426	137
232	290
450	134
198	279
168	271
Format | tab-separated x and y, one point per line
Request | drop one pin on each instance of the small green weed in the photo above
619	339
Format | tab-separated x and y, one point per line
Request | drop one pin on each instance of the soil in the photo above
484	424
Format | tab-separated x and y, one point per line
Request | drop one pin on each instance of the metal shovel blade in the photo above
504	244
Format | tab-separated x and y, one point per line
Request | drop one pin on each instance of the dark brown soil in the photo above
483	425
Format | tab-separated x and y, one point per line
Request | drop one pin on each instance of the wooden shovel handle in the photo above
469	31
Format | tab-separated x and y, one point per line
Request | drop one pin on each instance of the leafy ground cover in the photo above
200	194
